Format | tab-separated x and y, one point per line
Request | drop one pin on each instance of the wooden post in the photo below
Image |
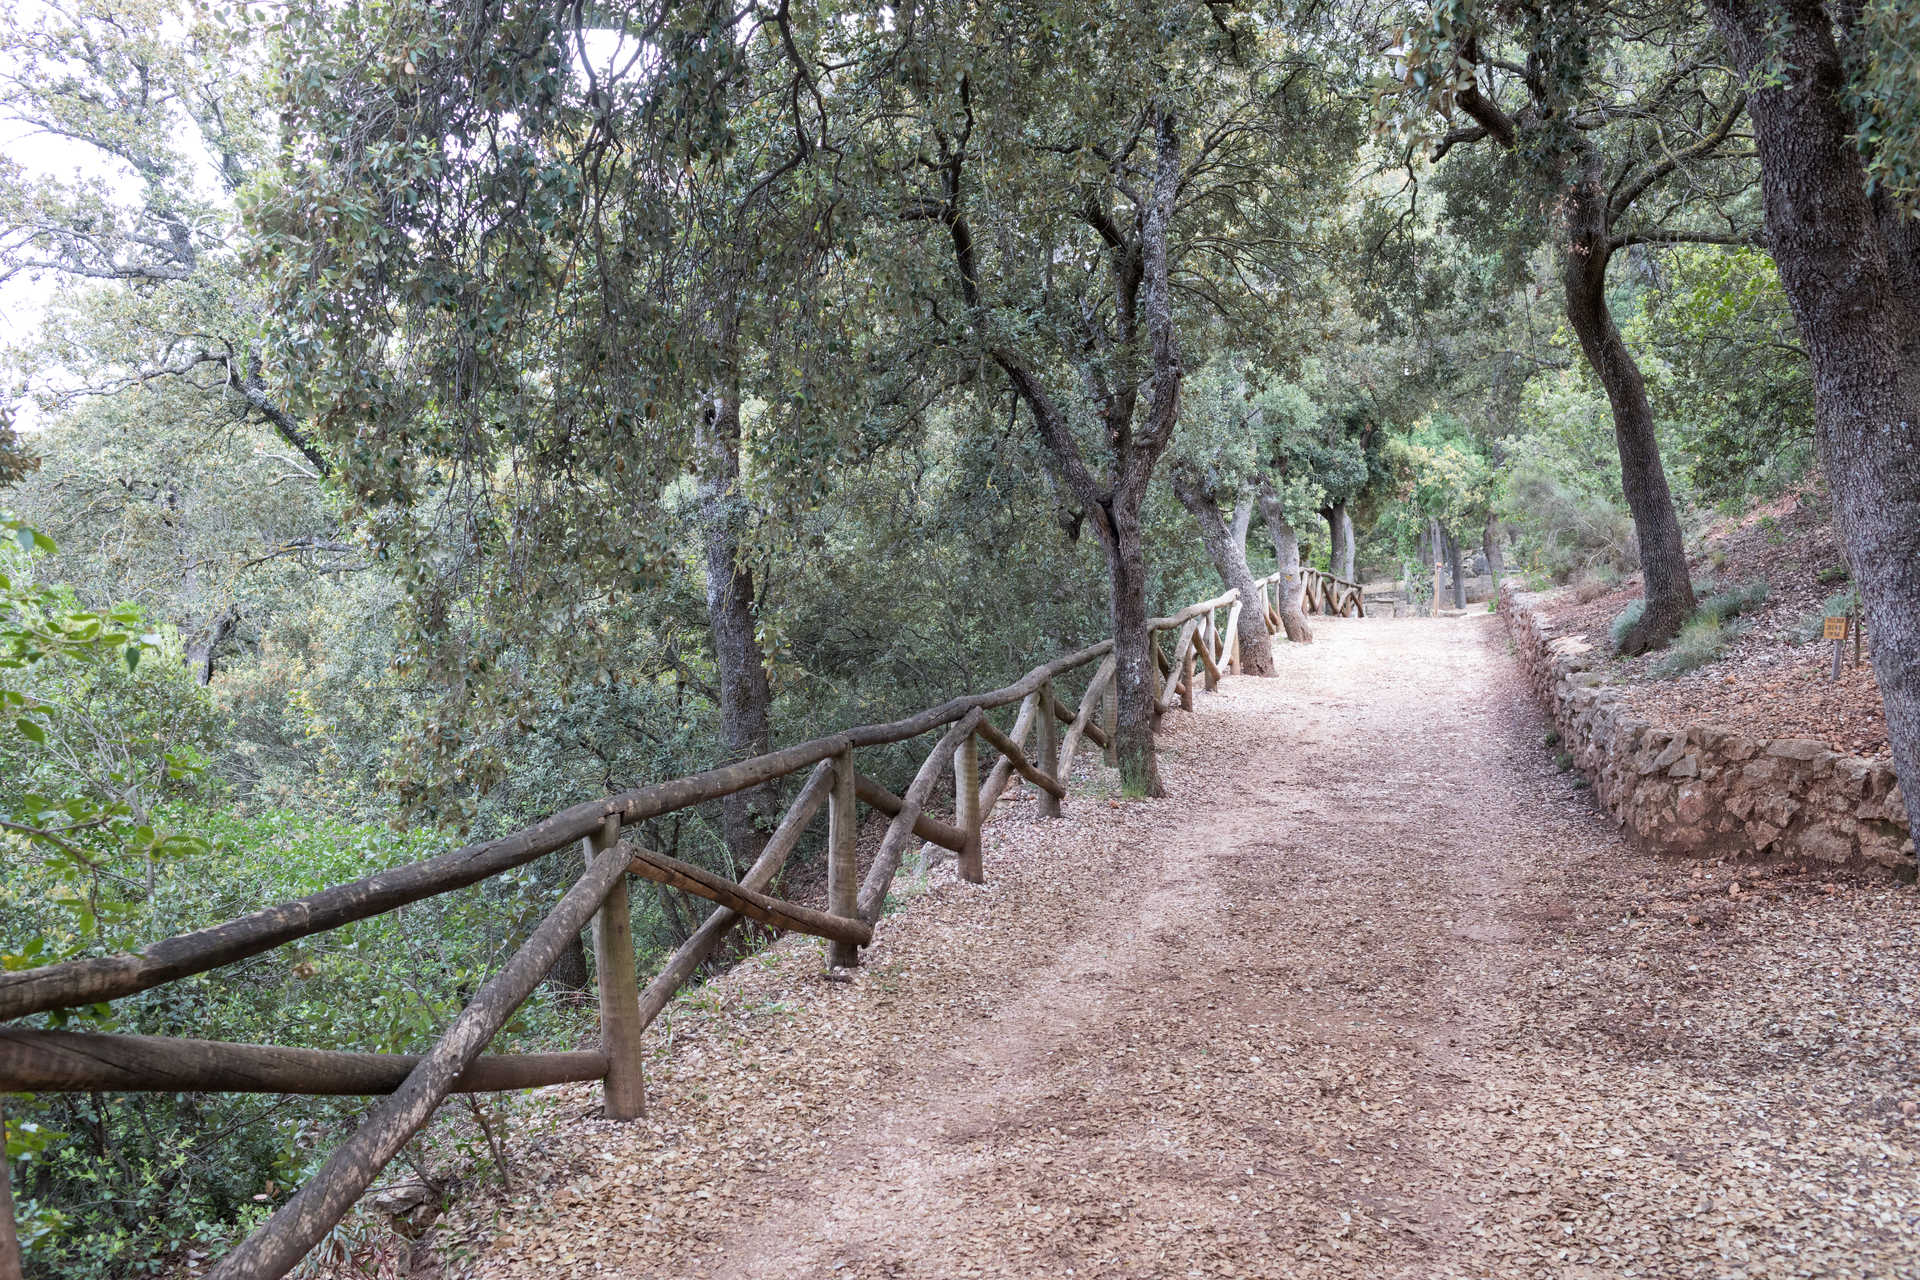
966	809
625	1090
1186	674
1110	721
1211	680
843	864
10	1268
1047	756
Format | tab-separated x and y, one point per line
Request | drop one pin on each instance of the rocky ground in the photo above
1371	992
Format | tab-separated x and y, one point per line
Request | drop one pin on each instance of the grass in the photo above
1705	633
1624	621
1807	630
1732	602
1698	643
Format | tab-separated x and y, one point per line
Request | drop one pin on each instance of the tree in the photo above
1845	253
532	351
1214	469
1103	191
151	343
1616	121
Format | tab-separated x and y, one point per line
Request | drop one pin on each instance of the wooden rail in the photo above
415	1085
1330	595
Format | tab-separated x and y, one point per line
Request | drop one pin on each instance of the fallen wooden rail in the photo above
415	1085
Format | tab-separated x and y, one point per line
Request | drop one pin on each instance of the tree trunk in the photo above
1133	663
1437	551
1490	547
1454	568
746	699
1340	553
1663	556
1286	551
1843	284
1227	548
569	972
202	650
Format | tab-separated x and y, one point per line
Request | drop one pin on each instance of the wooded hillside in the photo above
424	418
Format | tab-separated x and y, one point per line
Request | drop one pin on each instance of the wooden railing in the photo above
1330	595
55	1061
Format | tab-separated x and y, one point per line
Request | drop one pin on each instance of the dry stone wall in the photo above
1706	789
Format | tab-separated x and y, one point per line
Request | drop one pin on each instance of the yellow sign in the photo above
1834	629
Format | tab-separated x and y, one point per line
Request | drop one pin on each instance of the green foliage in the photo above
1736	386
1841	603
1724	604
91	737
119	1180
1882	96
1699	642
1624	621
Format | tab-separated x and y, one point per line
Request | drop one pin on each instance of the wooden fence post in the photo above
1186	674
966	809
1212	642
1047	756
843	862
625	1090
10	1268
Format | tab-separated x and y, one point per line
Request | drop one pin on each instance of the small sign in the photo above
1834	628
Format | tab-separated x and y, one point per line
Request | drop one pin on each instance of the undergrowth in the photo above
1808	629
1624	622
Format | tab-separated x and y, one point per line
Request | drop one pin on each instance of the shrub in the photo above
1698	643
1735	600
1808	629
1595	582
1623	622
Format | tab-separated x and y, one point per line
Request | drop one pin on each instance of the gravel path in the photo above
1372	992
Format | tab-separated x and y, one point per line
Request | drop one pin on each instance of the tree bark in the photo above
1340	548
1490	547
202	651
1842	279
1663	556
746	699
1133	669
1227	548
1436	551
1286	551
1454	568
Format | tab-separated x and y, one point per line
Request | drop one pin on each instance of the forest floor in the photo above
1773	676
1372	992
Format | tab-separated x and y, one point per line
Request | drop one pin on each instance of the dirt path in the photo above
1372	993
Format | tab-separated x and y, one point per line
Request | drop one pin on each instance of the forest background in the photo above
425	417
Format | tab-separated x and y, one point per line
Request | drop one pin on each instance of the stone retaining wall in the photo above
1706	789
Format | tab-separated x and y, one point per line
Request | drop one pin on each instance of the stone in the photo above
1740	804
1777	807
1797	748
404	1198
1692	804
1763	835
1687	766
1670	753
1853	774
1821	842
